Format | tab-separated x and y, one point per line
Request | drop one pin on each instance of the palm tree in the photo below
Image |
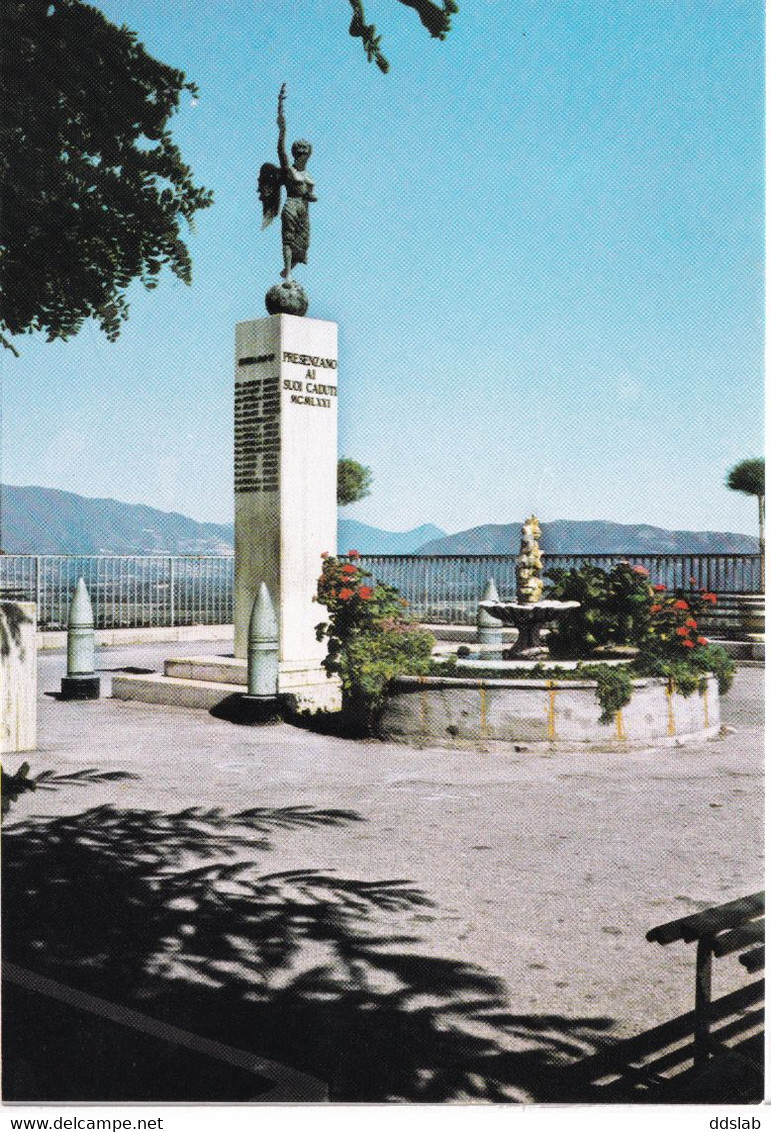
749	477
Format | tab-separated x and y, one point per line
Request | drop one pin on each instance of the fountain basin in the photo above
528	618
485	662
485	714
519	612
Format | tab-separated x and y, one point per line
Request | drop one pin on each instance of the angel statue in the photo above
295	222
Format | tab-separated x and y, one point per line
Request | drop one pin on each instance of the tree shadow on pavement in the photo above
173	915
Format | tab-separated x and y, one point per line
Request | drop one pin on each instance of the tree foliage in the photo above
748	477
354	481
93	187
434	17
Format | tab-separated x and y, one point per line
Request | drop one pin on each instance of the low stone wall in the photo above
55	639
462	712
18	676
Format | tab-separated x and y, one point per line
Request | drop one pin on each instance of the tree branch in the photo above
435	19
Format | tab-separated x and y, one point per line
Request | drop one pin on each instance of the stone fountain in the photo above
529	613
482	703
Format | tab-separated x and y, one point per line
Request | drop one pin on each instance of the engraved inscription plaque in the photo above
256	435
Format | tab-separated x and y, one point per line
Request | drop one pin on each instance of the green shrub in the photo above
614	687
370	638
622	608
614	608
673	647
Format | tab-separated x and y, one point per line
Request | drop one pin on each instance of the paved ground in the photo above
544	869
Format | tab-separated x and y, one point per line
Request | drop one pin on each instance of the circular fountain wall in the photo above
469	713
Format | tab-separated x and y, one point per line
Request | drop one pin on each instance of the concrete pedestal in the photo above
80	688
285	480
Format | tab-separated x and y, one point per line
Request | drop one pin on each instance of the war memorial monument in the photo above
286	390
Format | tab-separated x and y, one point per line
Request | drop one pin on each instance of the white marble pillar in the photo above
18	676
285	480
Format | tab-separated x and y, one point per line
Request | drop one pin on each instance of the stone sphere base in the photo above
287	298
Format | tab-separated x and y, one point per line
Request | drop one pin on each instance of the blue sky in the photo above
542	240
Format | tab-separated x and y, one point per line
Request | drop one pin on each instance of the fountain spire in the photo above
530	612
530	563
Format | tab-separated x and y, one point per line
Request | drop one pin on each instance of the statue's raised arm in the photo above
271	177
281	123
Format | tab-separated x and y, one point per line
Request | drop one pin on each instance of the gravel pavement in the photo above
545	869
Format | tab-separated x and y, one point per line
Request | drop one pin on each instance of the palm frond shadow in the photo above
12	618
12	786
172	914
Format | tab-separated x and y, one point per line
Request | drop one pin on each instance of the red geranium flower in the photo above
366	592
688	644
655	609
691	623
353	554
345	593
659	588
701	640
711	598
641	570
348	569
682	631
682	604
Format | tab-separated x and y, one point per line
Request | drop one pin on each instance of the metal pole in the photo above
171	591
703	999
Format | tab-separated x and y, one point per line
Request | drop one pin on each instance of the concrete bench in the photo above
723	930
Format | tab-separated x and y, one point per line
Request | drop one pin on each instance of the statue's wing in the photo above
269	192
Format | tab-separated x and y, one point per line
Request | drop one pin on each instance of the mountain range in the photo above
567	536
41	520
44	520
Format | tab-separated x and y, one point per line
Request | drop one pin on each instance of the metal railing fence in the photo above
127	591
445	589
130	591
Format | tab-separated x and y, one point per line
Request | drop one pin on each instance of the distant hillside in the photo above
352	535
42	520
565	536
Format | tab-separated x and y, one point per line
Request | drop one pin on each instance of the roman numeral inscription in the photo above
257	435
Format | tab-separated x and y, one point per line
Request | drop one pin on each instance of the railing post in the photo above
38	603
172	594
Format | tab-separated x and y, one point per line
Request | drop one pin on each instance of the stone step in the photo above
204	682
293	675
156	688
209	669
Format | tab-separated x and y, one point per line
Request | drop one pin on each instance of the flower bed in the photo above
668	693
